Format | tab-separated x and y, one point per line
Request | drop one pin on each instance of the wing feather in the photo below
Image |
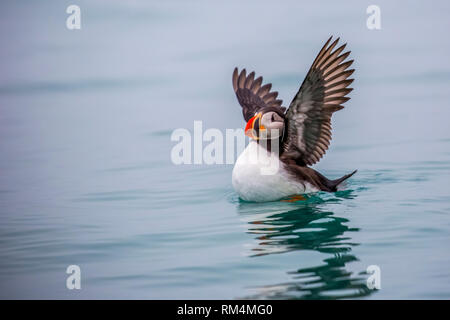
322	93
251	95
249	80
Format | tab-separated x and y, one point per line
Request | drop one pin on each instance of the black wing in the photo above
252	96
308	131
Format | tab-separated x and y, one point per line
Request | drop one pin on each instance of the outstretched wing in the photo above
252	96
323	92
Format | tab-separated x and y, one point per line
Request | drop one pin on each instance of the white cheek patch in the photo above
274	129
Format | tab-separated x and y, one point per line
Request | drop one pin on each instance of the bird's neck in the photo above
271	145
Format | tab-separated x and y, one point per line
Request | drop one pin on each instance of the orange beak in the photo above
253	126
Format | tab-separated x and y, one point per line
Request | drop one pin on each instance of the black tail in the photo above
334	183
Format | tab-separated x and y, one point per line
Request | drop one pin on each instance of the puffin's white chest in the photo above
260	176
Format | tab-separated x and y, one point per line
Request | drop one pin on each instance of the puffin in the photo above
286	142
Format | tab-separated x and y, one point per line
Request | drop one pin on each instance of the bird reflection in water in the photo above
305	225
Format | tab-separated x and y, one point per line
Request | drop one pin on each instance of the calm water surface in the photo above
86	178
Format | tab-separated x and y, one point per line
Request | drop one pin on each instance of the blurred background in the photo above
86	178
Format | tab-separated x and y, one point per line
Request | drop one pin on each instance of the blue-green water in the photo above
86	177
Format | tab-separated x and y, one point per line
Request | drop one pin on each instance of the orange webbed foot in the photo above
294	198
